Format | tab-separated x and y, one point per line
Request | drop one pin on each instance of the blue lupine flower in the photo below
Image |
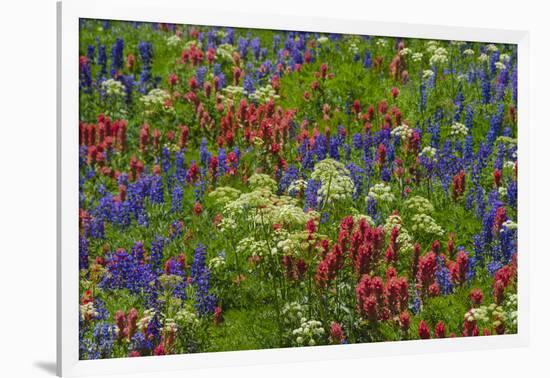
126	271
204	155
97	228
90	53
242	46
372	209
140	343
102	61
177	198
86	80
357	177
493	267
200	275
157	253
180	169
289	176
312	188
334	145
469	117
512	193
83	252
200	75
367	60
485	88
416	304
508	244
157	189
255	45
443	277
138	251
104	336
117	56
249	84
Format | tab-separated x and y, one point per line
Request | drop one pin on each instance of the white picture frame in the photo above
169	11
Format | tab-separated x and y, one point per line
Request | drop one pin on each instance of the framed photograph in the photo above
238	188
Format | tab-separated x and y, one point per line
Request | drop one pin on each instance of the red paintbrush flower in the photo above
423	330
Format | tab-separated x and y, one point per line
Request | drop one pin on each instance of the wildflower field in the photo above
249	189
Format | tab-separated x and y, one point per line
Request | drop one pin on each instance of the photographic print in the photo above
244	189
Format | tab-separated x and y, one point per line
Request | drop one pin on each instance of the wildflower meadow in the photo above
249	189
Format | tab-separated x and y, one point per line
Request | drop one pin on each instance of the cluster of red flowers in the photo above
379	300
459	184
126	324
101	137
504	277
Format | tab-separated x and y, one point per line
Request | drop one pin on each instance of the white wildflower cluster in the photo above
459	130
439	57
293	313
404	240
511	310
483	58
223	195
169	326
427	74
507	140
155	100
511	225
288	214
148	315
508	166
264	94
256	199
193	42
500	66
419	205
297	186
429	152
423	223
491	315
262	206
458	43
225	52
336	184
227	225
417	57
405	51
491	48
173	40
322	40
113	88
234	91
468	52
260	180
185	317
381	42
358	217
403	132
505	58
252	247
502	192
169	281
88	311
353	48
216	263
431	46
309	333
381	193
295	243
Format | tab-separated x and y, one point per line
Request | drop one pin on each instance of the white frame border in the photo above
169	11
